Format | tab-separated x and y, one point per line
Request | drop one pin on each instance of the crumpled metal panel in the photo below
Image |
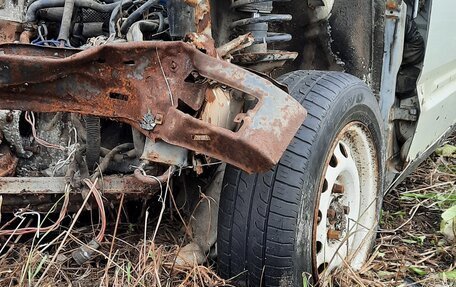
144	84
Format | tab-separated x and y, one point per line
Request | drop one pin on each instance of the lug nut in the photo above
331	213
346	209
337	188
333	234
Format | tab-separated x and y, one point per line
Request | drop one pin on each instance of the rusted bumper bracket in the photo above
151	86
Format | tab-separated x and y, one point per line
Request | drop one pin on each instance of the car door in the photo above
437	83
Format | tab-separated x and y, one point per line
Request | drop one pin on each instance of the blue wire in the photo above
54	43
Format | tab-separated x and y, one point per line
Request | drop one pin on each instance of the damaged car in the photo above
294	116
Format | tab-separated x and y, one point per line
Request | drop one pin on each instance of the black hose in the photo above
115	14
139	140
93	141
107	159
161	21
89	4
65	26
136	15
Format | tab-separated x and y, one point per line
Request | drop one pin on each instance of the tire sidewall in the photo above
353	103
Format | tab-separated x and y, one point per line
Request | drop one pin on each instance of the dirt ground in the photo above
410	250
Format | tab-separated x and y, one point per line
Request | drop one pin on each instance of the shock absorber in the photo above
257	17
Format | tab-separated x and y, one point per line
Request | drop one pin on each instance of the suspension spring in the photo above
259	16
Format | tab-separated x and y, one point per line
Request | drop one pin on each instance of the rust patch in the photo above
9	31
392	5
210	97
26	37
202	16
203	43
8	161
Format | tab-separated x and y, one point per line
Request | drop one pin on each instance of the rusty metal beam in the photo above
145	84
109	185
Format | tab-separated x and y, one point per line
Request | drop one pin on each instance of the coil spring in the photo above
258	22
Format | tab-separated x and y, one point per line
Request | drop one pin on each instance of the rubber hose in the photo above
116	13
65	26
136	15
89	4
110	156
93	141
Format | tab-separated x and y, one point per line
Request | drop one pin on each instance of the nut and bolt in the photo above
173	66
333	234
331	213
9	117
337	188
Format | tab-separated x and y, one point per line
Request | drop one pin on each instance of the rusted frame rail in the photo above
33	186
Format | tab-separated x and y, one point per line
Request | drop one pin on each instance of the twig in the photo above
92	188
164	76
113	239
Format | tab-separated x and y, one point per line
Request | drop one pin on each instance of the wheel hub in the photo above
347	203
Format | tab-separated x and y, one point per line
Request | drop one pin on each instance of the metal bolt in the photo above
173	66
333	234
9	117
337	188
159	119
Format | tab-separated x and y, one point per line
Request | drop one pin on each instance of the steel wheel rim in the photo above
347	206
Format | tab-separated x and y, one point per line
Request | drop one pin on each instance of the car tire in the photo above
323	197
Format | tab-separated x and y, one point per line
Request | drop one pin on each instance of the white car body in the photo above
437	83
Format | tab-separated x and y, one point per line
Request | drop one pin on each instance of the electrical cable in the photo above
52	227
136	15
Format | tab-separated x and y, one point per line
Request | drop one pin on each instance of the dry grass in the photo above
410	250
128	256
409	247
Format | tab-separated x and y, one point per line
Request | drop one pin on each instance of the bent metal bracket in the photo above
144	84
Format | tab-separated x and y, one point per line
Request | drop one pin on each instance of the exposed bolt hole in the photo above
320	216
319	246
343	150
333	161
117	96
325	186
129	63
322	267
195	78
